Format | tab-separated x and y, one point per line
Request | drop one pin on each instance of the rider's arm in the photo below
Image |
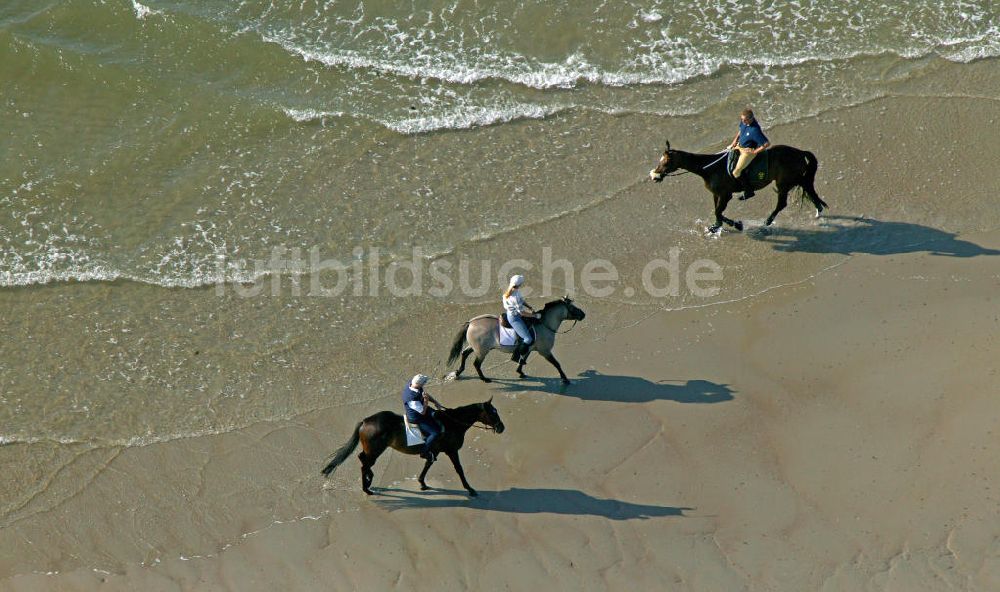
433	401
760	149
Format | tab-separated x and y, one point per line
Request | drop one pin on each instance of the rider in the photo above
514	306
750	141
416	405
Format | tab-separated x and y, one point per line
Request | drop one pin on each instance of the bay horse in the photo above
482	336
385	430
788	167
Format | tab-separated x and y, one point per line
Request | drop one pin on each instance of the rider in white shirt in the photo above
514	307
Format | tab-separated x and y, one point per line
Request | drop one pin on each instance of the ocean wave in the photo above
303	115
142	11
125	442
470	117
658	60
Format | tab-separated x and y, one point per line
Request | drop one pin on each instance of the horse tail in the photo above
812	165
458	345
345	451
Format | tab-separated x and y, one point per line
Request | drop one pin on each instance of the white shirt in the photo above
417	406
513	303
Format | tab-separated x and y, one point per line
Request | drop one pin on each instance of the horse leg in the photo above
367	475
478	365
423	473
721	201
520	365
814	197
461	367
453	455
552	360
782	202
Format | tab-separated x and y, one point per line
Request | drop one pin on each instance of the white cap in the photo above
419	380
516	281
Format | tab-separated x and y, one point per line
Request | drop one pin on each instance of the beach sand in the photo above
833	433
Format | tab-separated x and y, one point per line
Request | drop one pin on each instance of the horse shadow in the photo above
525	501
848	235
591	385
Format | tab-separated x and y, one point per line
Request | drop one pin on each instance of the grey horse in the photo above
481	334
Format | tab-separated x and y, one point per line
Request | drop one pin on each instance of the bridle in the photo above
475	423
556	330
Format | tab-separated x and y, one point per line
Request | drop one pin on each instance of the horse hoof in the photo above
522	375
423	487
769	222
368	491
487	380
713	229
565	381
472	493
738	225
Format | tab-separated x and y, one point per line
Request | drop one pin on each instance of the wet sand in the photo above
835	432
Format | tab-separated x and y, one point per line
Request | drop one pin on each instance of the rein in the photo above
474	424
679	172
724	153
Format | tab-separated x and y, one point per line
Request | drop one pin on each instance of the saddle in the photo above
529	321
414	434
756	171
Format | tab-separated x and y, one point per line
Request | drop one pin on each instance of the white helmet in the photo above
516	281
419	380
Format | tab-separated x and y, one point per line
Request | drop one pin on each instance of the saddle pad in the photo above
507	336
757	169
413	434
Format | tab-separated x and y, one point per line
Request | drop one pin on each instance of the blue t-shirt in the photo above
410	395
751	135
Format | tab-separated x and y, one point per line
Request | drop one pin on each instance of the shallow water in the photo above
164	157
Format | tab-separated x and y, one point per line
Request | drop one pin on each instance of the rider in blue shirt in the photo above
416	405
750	141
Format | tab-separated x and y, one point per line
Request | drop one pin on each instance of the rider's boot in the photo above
515	356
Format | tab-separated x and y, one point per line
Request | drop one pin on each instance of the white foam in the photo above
142	11
303	115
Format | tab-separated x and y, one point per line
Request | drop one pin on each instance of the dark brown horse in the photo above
385	429
788	167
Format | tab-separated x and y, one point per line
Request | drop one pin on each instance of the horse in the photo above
788	167
482	335
385	429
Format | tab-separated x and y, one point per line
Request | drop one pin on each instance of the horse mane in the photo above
553	304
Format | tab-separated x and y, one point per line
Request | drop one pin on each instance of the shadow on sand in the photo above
848	235
591	385
524	501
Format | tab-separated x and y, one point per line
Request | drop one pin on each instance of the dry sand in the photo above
833	434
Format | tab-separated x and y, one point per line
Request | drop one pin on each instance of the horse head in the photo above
563	309
490	417
666	165
573	312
